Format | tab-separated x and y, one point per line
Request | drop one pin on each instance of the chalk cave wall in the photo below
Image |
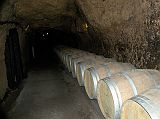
126	30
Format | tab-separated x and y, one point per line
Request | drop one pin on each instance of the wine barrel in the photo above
143	106
75	61
65	57
113	91
70	53
76	55
64	53
94	74
79	55
82	66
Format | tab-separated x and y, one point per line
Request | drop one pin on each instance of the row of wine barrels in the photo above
64	55
143	106
68	57
74	63
98	72
113	91
62	50
115	84
72	57
84	65
69	54
76	55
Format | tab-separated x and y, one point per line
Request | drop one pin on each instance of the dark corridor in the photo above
43	41
50	92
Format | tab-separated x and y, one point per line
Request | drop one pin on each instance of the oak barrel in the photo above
82	66
74	54
77	55
74	63
113	91
65	56
143	106
94	74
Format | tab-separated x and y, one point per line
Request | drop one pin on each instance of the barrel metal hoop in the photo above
69	60
82	68
116	97
74	68
131	83
147	105
75	65
66	60
107	69
96	78
72	63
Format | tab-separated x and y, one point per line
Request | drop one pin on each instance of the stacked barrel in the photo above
122	91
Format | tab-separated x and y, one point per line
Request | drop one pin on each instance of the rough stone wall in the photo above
3	78
44	13
125	29
6	14
129	29
79	29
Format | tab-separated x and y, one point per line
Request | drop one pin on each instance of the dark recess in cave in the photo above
42	42
13	59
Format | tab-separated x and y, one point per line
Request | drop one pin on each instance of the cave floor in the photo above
50	92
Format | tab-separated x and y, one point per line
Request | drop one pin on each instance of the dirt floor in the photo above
50	92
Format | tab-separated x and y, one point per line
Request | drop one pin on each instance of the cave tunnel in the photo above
42	42
76	59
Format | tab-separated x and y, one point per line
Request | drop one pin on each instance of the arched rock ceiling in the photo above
45	13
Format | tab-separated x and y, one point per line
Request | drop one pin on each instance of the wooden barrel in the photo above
75	61
98	72
82	66
68	61
68	57
143	106
113	91
63	55
76	55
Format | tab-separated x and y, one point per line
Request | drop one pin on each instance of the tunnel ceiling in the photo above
45	13
127	30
